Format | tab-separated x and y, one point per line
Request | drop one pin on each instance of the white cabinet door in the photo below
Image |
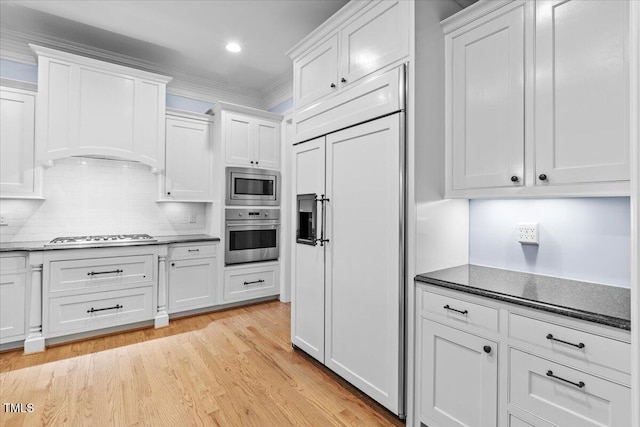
238	139
373	40
252	142
192	283
251	282
17	169
363	280
308	289
316	73
582	91
188	159
458	378
487	111
12	307
267	144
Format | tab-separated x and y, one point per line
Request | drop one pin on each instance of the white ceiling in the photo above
187	36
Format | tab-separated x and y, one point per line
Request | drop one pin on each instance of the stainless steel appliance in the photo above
252	187
251	235
105	239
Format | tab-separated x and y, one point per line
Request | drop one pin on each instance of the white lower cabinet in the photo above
96	310
458	377
86	290
13	279
251	282
532	369
565	396
192	277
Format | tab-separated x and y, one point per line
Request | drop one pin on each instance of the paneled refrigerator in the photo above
348	275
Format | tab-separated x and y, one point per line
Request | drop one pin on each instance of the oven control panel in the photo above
251	214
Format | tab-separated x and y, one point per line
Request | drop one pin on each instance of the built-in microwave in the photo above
252	187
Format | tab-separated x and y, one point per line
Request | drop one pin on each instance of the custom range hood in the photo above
87	107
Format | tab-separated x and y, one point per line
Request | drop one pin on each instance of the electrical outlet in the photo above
528	233
193	218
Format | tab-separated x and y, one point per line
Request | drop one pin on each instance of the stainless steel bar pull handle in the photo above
323	200
579	345
193	250
93	273
446	307
255	281
115	307
578	384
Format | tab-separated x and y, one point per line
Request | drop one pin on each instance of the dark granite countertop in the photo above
607	305
161	240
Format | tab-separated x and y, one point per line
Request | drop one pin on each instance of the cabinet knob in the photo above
168	193
487	349
173	264
515	179
343	80
257	162
542	177
332	85
251	161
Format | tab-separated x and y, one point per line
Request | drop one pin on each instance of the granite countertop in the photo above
161	240
607	305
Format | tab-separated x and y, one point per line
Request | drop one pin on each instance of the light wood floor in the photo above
229	368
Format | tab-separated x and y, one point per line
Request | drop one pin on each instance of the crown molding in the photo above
14	46
225	106
280	90
471	13
331	24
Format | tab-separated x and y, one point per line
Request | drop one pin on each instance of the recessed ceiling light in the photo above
233	47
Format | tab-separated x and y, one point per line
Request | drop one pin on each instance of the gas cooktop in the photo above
107	239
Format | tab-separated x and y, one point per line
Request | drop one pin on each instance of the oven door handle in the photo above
253	224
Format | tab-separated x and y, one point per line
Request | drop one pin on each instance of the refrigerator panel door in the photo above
307	293
363	335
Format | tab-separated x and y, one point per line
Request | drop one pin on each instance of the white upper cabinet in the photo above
252	140
19	176
538	99
488	103
316	73
374	39
582	92
90	107
359	40
187	174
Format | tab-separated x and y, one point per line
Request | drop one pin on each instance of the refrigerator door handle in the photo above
323	220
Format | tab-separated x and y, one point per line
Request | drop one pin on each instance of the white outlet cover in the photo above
528	233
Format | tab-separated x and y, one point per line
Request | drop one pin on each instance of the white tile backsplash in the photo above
97	196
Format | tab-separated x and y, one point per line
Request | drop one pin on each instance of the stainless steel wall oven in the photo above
252	235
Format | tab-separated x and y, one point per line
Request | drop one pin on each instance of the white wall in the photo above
441	225
93	196
582	239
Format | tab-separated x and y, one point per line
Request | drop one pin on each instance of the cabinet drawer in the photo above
112	308
581	349
459	312
192	251
12	263
251	283
95	273
586	400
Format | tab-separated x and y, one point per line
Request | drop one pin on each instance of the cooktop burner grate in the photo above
101	239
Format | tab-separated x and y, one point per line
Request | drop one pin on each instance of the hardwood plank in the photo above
229	368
